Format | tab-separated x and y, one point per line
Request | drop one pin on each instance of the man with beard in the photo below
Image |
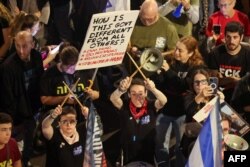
230	61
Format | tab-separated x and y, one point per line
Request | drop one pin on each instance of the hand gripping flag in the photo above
207	148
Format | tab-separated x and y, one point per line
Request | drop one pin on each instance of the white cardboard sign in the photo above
204	112
107	39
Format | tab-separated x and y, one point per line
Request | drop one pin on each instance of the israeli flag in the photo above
207	149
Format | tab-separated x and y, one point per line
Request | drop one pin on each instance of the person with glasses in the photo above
218	20
65	143
200	93
137	115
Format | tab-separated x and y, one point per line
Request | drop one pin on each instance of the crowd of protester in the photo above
210	38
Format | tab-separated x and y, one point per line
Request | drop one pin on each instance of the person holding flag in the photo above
208	146
200	93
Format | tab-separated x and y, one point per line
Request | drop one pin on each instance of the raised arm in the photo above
166	8
161	99
47	128
191	10
115	97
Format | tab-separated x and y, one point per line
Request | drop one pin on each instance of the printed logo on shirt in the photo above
160	42
9	163
62	145
62	90
77	150
182	74
230	71
145	120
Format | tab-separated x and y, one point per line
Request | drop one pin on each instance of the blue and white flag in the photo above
207	148
115	5
94	155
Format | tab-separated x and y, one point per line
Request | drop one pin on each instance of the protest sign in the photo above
107	39
238	125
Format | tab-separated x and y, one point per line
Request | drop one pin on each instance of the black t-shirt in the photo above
61	154
56	3
52	85
138	136
174	83
230	65
191	107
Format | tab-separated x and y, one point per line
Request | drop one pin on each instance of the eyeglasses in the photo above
226	5
68	122
200	82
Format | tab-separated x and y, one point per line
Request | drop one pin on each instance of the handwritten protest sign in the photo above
107	39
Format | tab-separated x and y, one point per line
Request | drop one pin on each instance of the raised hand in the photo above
149	84
57	111
124	84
